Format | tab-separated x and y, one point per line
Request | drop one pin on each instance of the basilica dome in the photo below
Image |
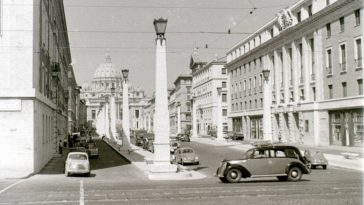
107	70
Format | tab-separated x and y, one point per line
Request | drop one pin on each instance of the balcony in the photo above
343	66
329	70
358	63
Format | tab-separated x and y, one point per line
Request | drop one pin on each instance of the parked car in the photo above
77	163
315	160
174	145
183	137
235	135
151	146
212	132
78	149
92	149
186	155
282	161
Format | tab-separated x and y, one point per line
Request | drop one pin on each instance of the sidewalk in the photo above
142	159
332	153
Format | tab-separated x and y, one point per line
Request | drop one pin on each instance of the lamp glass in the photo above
160	26
125	73
266	74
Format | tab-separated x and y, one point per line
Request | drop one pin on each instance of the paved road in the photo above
115	181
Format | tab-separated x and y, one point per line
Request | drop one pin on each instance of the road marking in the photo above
82	197
8	187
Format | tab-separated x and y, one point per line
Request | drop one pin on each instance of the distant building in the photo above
108	75
35	60
313	50
206	78
180	105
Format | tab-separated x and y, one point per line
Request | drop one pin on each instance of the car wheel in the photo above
67	174
282	178
324	166
88	174
294	174
233	175
223	179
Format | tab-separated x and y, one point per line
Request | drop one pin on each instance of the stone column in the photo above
219	131
161	161
306	69
107	118
126	122
276	77
267	103
295	72
194	118
286	68
113	118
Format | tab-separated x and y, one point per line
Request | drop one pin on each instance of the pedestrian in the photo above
60	148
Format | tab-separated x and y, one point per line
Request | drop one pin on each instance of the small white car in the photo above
186	155
77	163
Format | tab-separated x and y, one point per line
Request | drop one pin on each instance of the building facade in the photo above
180	105
35	59
206	78
108	76
313	51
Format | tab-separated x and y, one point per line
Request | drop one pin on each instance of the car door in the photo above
279	161
259	163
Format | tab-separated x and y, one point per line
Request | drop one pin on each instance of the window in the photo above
223	70
224	97
358	53
360	86
314	93
345	91
224	112
331	92
342	24
307	128
93	114
299	16
271	33
357	17
329	61
328	30
343	57
309	10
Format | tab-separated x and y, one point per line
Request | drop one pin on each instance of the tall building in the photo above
180	105
35	58
313	51
206	78
107	76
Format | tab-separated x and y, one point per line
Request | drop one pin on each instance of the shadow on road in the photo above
107	158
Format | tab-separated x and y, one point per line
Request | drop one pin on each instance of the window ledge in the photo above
359	68
343	72
329	75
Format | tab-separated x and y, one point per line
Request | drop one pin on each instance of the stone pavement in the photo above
332	153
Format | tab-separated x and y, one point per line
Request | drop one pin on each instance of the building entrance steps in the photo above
332	153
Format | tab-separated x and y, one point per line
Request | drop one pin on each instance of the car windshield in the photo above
187	151
78	156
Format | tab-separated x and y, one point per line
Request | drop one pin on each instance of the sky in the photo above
124	30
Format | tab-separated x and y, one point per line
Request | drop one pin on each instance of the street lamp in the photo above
219	131
267	101
126	126
161	161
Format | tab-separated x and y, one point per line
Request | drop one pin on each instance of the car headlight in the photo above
196	158
184	158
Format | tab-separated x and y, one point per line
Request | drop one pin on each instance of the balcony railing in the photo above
358	63
343	66
329	70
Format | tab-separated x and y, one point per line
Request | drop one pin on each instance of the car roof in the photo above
186	148
72	153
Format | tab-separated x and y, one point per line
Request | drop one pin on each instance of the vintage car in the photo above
186	155
183	137
92	149
270	160
315	160
77	163
174	145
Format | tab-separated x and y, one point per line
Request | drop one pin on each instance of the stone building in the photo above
35	59
313	50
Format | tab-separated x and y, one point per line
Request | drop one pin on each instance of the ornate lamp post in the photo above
126	126
219	131
161	161
113	115
267	101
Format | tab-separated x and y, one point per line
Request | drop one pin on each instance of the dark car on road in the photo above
315	160
269	160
